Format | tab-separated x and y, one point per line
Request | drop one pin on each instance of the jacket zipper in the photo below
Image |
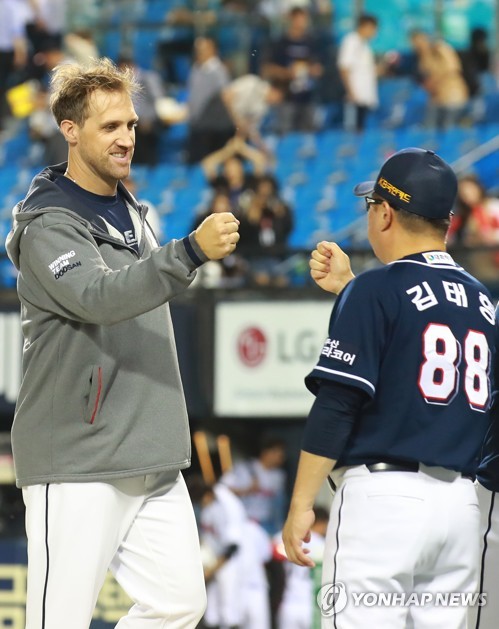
100	236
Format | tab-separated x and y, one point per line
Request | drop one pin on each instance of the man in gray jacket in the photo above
101	432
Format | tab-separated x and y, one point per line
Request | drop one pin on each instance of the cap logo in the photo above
393	190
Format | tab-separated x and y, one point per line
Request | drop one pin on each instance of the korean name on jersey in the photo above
417	336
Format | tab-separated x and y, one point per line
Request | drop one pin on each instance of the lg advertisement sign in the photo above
263	351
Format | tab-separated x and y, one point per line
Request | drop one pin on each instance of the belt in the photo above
404	467
393	467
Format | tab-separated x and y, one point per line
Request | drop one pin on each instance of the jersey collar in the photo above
431	258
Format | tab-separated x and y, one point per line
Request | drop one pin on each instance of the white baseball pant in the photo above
402	532
487	616
142	528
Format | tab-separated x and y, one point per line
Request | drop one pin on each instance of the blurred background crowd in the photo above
274	110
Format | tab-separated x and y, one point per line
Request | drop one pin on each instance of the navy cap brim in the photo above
364	188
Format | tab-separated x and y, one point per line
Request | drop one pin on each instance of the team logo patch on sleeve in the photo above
61	265
333	350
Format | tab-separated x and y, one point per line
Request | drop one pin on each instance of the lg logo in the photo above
252	346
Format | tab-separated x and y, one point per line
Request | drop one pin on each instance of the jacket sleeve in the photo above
63	272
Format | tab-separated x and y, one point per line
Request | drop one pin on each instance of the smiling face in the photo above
101	149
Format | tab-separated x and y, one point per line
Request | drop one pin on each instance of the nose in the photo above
126	138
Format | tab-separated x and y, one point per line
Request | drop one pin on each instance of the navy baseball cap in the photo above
415	180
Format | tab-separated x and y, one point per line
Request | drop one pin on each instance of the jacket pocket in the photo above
94	395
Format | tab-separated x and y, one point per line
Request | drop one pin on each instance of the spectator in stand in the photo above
46	23
475	224
294	60
478	51
234	181
271	12
266	223
241	107
358	72
248	100
260	484
441	73
207	78
13	47
182	21
476	220
475	61
273	9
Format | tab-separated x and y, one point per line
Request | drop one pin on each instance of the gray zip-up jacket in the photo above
101	395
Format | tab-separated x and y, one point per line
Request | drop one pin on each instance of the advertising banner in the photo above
263	351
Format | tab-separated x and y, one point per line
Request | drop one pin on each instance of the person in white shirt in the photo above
222	524
208	76
358	72
260	484
248	100
256	551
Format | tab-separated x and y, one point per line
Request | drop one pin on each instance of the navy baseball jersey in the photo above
418	337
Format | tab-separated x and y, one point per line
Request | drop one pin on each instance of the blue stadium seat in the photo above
144	46
176	225
111	45
491	108
156	10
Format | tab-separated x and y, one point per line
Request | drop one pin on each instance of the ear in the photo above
70	131
385	216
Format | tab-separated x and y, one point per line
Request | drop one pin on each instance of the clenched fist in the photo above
218	235
330	267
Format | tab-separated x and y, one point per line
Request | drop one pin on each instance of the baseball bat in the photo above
224	453
201	443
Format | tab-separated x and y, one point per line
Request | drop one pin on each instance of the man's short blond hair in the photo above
73	84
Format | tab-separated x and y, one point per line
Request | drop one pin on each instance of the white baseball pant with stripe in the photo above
402	532
142	528
487	616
